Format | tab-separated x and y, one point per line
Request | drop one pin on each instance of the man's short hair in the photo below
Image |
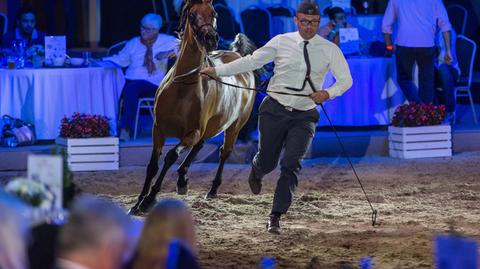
25	10
92	223
333	11
154	19
308	7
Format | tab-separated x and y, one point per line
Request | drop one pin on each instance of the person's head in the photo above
307	19
337	16
95	234
170	219
26	20
150	26
13	232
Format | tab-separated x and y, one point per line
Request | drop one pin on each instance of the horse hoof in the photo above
182	190
134	211
211	195
147	204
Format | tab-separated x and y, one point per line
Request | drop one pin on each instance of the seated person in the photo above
25	30
447	72
168	238
147	58
330	31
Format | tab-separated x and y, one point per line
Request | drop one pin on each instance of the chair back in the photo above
3	25
225	22
257	24
458	15
116	48
282	19
465	49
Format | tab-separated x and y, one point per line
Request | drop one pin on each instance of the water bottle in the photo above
366	263
365	7
267	263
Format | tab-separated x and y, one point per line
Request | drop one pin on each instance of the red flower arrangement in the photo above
85	126
418	114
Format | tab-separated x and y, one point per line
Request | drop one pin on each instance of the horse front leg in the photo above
225	150
170	158
152	170
182	181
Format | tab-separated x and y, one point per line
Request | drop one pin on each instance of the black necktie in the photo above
309	69
307	59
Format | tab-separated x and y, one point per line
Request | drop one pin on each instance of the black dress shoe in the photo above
273	225
254	182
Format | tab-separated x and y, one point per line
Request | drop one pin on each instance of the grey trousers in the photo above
280	129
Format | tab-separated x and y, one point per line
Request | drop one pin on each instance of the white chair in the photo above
466	49
116	48
143	103
458	17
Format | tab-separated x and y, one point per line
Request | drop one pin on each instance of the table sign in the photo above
49	170
349	41
55	50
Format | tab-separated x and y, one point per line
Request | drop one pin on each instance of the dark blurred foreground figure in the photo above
13	232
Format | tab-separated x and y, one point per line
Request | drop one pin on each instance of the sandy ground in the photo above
329	224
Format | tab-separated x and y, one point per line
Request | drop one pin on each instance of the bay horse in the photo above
193	108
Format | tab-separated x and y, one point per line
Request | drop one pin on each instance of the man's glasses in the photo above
305	22
147	29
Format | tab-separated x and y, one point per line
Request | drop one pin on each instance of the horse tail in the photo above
245	46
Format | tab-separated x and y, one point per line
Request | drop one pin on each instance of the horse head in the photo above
202	18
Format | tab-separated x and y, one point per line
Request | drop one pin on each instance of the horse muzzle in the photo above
210	40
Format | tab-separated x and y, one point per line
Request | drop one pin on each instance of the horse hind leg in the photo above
182	182
170	158
152	170
230	137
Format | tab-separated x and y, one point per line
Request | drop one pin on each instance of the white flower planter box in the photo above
91	154
420	142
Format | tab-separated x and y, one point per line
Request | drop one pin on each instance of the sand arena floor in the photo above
328	225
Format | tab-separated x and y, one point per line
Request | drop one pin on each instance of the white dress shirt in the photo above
286	51
133	54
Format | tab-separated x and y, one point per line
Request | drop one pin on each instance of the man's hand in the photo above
208	71
320	96
448	58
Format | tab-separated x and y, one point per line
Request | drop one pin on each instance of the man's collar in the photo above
19	36
66	264
299	39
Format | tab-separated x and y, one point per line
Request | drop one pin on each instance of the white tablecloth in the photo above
44	96
371	100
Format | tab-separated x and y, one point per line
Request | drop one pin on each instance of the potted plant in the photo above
417	131
87	143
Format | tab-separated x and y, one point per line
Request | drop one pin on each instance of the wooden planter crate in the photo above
91	154
420	142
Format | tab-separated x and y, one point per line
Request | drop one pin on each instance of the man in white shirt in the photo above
302	60
147	58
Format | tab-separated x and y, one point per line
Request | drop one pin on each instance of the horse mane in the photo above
243	45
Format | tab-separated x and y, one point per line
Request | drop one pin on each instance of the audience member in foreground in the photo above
94	237
168	238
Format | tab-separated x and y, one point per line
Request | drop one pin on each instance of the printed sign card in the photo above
49	170
349	41
55	50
